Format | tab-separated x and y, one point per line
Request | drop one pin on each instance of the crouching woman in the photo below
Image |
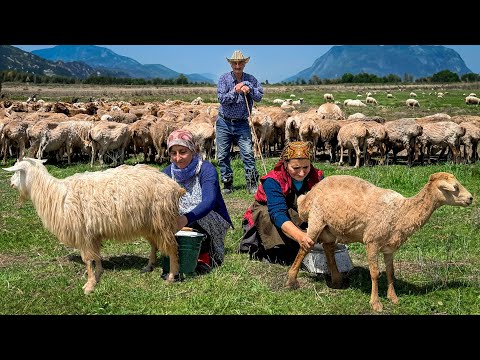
272	229
202	207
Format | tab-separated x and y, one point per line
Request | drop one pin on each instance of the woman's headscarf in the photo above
181	137
298	150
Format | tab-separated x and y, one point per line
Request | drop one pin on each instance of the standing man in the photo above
232	121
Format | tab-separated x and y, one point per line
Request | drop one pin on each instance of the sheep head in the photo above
451	191
19	179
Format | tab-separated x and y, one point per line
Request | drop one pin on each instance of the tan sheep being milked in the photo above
345	209
122	204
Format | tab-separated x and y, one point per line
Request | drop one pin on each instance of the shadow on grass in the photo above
121	262
359	278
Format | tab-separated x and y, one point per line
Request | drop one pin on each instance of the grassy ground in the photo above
436	269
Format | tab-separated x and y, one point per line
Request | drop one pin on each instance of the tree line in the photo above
21	77
444	76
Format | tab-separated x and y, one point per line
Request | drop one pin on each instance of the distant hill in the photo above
12	58
105	59
382	60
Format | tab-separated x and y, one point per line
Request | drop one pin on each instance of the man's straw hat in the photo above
238	56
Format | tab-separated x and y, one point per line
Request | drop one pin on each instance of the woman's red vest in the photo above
280	175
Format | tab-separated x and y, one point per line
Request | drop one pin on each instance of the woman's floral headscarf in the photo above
298	150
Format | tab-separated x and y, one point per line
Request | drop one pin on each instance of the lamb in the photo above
120	203
345	209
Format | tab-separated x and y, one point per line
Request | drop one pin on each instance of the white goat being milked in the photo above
121	204
345	209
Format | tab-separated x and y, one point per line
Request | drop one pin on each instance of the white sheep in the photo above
472	100
355	102
297	102
345	209
121	203
328	97
412	94
412	103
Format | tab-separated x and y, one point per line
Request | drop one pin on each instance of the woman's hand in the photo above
297	234
306	243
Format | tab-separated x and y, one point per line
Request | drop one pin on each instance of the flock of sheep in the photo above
97	129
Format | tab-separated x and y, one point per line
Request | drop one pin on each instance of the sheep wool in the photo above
121	204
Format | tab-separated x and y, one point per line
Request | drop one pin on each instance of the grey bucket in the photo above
316	262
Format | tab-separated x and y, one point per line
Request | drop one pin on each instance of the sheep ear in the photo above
14	168
442	184
35	161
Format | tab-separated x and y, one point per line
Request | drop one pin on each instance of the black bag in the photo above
251	242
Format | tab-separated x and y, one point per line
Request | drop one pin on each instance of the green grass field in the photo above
437	269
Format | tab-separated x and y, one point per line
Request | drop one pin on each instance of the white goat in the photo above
121	203
345	209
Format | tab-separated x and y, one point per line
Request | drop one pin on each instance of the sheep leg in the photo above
388	259
174	264
153	257
91	280
5	149
314	230
372	255
341	156
292	282
358	154
329	248
94	153
98	269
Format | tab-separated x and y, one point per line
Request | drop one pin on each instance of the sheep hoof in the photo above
377	306
148	268
393	299
88	288
293	284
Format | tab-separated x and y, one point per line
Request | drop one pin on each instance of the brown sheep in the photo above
345	209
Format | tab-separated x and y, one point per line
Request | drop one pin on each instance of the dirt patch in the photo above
237	206
9	260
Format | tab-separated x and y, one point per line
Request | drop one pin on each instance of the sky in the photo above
274	63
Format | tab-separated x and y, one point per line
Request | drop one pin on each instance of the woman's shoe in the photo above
202	268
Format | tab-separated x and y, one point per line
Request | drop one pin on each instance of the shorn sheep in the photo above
122	204
345	209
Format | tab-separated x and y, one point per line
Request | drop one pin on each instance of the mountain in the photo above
383	60
102	58
12	58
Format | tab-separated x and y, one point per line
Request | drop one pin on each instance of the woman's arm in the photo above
278	211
